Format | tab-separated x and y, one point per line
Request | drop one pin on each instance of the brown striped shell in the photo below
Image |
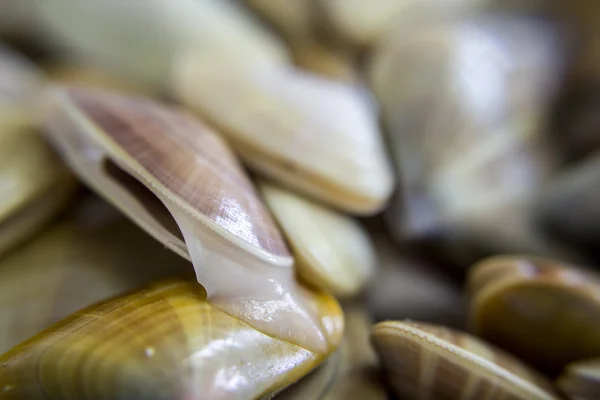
430	361
465	128
581	380
516	298
164	341
179	181
314	135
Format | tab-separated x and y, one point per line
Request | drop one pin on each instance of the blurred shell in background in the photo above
581	380
316	136
142	40
465	102
544	311
409	287
164	341
92	254
20	82
332	251
34	183
570	206
431	361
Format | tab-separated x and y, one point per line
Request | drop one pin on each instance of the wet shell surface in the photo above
179	181
470	155
164	341
430	361
316	136
103	34
332	251
92	254
581	380
515	298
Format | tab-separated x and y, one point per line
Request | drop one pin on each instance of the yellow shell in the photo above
164	341
515	298
104	33
92	254
581	380
430	361
332	251
314	135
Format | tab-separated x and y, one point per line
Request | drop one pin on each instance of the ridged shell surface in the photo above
162	342
430	361
515	298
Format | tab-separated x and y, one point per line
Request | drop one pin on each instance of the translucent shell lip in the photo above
162	341
424	359
174	155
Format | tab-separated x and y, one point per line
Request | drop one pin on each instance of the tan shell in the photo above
332	251
93	254
470	156
104	34
314	135
321	60
430	361
581	380
514	298
162	341
179	181
20	82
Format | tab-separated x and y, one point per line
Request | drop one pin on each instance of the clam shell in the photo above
328	62
581	380
514	298
430	361
465	127
164	341
314	135
358	377
92	254
20	82
332	251
104	34
34	185
179	181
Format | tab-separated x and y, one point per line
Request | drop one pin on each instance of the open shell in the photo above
104	34
314	135
164	341
179	181
430	361
332	251
465	127
514	298
581	380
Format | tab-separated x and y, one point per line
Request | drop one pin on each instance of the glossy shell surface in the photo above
515	298
162	342
429	361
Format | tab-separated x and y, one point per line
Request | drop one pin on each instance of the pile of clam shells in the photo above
306	199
